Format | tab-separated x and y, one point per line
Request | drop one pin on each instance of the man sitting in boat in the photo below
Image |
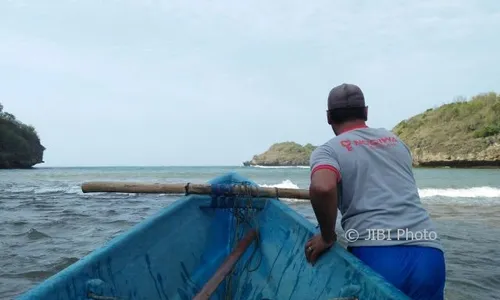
367	174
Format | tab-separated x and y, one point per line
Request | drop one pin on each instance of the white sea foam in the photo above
285	184
70	189
489	194
474	192
425	193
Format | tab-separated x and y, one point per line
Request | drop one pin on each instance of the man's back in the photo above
379	198
366	173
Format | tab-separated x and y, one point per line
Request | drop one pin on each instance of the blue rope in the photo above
220	189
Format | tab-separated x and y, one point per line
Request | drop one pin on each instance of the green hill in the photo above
459	134
283	154
20	146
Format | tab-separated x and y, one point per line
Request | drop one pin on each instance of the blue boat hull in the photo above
173	254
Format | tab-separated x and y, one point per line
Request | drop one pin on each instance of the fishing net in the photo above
244	217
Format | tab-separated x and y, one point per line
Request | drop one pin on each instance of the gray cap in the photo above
346	96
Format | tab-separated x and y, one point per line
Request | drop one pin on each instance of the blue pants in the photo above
419	272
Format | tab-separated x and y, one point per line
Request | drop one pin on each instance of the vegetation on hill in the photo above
283	154
20	146
459	134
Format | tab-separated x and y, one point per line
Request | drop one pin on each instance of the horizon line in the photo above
129	166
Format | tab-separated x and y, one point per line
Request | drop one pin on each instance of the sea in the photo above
47	223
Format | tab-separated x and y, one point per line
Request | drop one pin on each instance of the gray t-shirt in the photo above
378	197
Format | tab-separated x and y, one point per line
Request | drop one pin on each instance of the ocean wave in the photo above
474	192
70	190
45	190
285	184
57	190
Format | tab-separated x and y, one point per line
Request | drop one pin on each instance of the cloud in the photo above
147	82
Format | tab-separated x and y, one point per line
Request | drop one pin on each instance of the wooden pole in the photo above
226	266
192	188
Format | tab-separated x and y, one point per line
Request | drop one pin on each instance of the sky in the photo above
180	82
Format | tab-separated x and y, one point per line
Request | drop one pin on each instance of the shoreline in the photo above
459	167
461	164
420	166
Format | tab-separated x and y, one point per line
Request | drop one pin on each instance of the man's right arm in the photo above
325	175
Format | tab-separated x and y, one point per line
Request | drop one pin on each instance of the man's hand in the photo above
315	247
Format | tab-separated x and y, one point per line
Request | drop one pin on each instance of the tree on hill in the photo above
283	154
20	145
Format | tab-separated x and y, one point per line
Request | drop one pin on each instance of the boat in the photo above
216	246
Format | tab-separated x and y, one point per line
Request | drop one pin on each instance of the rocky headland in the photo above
461	134
283	154
20	146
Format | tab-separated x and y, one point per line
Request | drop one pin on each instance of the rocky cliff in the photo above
20	146
459	134
465	133
283	154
